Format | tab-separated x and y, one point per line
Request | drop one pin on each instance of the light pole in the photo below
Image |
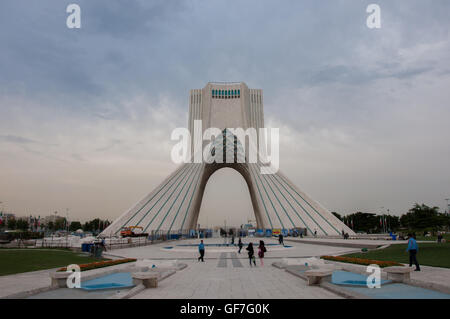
54	221
389	219
67	220
1	215
67	226
225	226
382	220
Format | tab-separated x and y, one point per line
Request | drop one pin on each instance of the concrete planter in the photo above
149	280
59	278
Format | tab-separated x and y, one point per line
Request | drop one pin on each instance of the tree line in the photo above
60	223
418	218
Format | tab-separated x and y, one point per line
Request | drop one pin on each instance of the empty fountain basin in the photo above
351	279
112	281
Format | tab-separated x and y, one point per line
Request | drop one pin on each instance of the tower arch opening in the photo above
226	200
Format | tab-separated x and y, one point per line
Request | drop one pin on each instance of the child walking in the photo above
251	254
261	250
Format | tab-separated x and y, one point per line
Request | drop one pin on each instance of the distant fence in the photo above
117	242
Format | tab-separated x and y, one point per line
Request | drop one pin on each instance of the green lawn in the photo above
430	254
13	261
433	238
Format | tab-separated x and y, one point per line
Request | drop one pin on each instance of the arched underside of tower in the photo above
277	203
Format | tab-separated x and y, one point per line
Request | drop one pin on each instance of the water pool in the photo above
112	281
399	291
388	290
340	277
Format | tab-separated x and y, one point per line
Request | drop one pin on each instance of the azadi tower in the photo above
277	203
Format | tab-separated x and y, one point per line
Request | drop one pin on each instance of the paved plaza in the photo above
233	278
225	273
180	249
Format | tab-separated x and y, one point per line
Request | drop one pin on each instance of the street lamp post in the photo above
389	219
2	219
382	221
67	219
67	226
54	223
225	225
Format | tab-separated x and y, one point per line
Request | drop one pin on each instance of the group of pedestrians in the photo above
412	249
251	251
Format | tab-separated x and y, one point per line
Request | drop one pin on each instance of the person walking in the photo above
412	249
261	250
103	244
280	239
251	254
240	245
201	250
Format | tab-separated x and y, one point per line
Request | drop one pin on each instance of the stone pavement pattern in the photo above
184	252
227	274
224	274
17	283
224	278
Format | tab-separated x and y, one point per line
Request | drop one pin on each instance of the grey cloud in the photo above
113	142
322	70
78	157
17	139
405	74
23	140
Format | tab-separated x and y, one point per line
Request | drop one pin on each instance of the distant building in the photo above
50	218
5	216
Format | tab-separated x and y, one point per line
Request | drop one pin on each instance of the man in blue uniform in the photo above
201	249
412	249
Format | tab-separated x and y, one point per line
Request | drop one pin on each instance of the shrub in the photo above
361	261
101	264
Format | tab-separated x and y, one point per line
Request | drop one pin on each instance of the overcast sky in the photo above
86	114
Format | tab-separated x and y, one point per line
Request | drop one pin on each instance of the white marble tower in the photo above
277	203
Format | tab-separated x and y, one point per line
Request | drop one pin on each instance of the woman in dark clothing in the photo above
240	244
261	251
251	254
